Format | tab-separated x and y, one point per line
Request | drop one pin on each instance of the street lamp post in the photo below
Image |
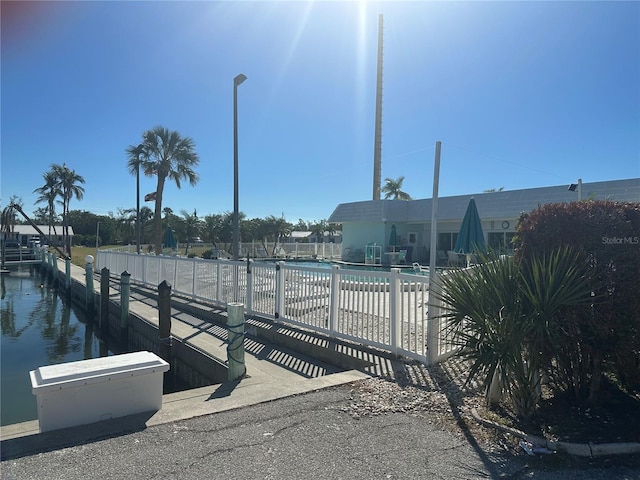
236	221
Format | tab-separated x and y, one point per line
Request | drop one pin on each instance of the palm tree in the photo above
393	189
68	184
48	193
8	220
192	226
167	155
146	215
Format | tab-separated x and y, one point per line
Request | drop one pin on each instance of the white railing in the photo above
382	309
320	251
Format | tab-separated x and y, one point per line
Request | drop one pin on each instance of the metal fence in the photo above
387	310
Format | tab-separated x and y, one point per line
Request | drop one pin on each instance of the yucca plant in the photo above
505	316
551	287
482	309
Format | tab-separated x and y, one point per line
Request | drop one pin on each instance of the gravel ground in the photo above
436	393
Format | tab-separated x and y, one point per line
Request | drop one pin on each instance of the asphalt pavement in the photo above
309	435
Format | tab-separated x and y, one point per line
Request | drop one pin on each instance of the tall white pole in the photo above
377	147
433	325
434	212
97	234
579	189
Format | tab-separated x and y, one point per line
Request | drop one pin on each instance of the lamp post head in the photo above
239	79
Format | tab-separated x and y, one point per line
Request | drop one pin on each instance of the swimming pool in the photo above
414	269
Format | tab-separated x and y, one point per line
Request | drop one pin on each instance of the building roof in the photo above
29	230
494	205
300	234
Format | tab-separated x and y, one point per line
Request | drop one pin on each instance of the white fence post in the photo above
280	290
218	281
334	301
175	271
433	320
394	310
249	295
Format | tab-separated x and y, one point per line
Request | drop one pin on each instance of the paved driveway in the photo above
301	437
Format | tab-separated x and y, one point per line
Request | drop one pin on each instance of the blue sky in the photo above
521	94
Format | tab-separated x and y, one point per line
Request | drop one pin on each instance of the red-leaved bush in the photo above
604	337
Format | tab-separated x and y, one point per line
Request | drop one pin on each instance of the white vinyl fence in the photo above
387	310
259	250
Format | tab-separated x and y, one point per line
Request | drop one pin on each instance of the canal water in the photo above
38	328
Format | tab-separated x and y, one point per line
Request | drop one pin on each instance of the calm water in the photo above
38	328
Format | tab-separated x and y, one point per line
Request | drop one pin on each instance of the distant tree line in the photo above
120	228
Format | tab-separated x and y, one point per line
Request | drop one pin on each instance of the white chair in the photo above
454	259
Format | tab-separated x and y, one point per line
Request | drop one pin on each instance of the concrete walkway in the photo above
273	371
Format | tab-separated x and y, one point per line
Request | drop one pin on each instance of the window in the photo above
501	241
446	241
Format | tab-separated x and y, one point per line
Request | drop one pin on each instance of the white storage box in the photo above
88	391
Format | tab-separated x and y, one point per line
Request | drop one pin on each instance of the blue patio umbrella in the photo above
169	240
393	236
470	238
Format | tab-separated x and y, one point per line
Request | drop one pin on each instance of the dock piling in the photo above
235	340
125	288
89	283
67	275
164	320
104	297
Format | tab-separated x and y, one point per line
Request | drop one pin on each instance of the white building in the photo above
369	222
25	233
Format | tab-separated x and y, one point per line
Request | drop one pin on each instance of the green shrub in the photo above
506	315
606	336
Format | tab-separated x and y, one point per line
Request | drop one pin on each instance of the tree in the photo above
318	229
40	216
192	226
301	226
146	216
125	225
48	193
393	189
212	228
68	184
165	154
9	216
277	227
